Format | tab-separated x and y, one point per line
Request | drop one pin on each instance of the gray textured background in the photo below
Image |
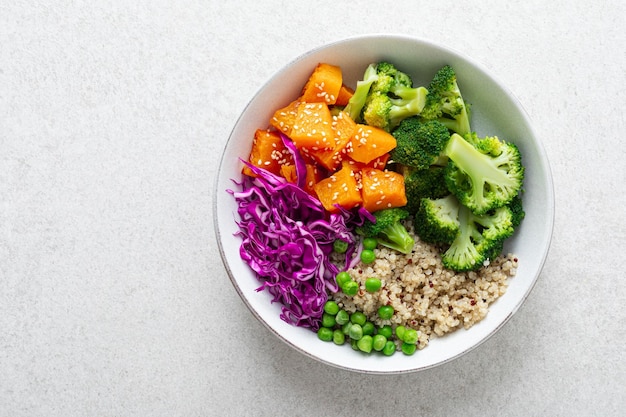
113	299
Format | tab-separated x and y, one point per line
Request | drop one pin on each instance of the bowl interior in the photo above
495	111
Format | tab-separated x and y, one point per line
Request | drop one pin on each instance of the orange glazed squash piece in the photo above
268	152
312	127
284	118
313	176
382	189
368	143
323	85
378	163
289	173
343	128
340	188
345	94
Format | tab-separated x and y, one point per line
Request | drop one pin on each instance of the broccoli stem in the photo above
462	255
357	101
478	166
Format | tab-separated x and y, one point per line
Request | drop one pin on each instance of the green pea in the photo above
368	256
328	320
400	332
386	331
385	312
372	284
353	344
340	246
358	318
342	278
338	337
408	348
345	329
350	288
342	317
410	336
378	342
370	243
325	334
331	307
365	344
369	328
390	348
355	332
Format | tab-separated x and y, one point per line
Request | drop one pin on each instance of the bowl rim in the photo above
543	161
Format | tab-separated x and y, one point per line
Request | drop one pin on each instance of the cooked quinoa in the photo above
424	294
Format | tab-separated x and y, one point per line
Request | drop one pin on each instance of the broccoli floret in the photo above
419	144
389	97
489	145
480	238
390	78
422	183
482	181
445	103
494	252
517	213
389	230
472	239
518	210
437	220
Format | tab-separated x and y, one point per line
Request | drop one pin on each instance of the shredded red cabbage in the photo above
297	158
287	240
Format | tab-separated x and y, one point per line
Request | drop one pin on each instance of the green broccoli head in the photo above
517	210
389	230
489	145
419	144
470	239
385	97
480	238
377	109
437	220
494	252
445	103
423	183
390	78
482	181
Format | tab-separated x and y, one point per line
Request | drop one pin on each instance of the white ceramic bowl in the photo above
495	111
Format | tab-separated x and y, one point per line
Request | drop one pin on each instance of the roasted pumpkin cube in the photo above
343	128
285	117
312	128
340	188
382	189
323	85
345	94
313	176
368	143
268	152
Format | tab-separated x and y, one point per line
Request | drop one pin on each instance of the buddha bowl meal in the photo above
382	204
